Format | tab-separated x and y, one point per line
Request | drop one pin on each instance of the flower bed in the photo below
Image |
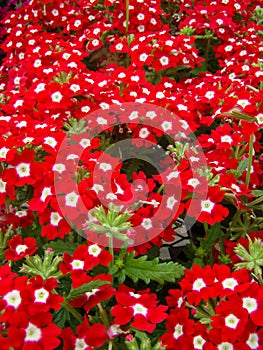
122	123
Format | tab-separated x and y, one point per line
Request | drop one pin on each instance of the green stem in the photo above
103	315
127	15
207	49
250	157
111	250
160	188
206	227
7	203
221	242
73	311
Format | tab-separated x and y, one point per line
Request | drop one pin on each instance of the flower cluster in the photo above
117	119
215	309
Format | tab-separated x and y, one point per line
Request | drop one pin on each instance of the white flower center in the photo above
59	168
77	264
147	223
207	206
135	295
50	141
225	346
199	284
94	250
13	298
37	63
226	139
72	199
23	169
74	87
55	219
2	186
229	283
243	103
105	166
231	321
101	121
85	143
144	132
21	248
45	193
253	341
164	60
259	118
143	57
97	188
160	94
41	295
33	333
56	96
250	304
210	95
193	182
182	107
199	342
171	202
80	344
140	309
166	126
3	152
178	331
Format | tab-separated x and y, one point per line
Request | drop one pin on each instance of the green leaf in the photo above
60	247
133	166
87	287
60	317
242	167
257	193
151	270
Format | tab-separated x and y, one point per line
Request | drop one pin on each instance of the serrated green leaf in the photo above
133	166
152	270
87	287
60	317
60	247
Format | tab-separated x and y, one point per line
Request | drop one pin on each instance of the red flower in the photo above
42	297
230	319
23	169
83	260
38	333
94	297
87	336
138	308
179	331
208	210
19	247
199	284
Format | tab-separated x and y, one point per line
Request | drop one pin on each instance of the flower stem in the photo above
127	15
73	311
250	157
111	250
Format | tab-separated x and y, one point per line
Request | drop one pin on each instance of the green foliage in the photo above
87	287
148	270
203	253
242	166
141	341
252	258
60	247
61	317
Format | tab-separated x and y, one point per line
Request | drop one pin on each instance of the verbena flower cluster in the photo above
66	63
